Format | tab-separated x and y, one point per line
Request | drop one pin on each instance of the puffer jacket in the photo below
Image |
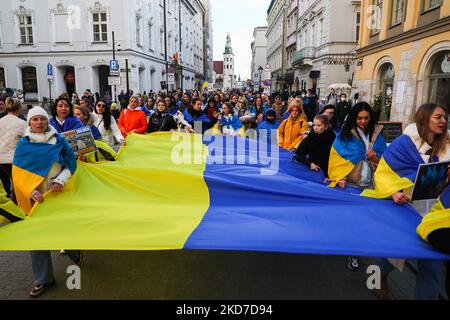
290	132
11	130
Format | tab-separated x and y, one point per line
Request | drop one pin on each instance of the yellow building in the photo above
404	56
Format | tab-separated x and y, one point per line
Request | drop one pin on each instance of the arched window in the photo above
386	87
439	80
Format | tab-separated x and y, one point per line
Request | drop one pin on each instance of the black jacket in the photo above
316	149
342	109
161	122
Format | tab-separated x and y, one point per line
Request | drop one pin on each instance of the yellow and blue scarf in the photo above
345	155
438	218
32	163
397	169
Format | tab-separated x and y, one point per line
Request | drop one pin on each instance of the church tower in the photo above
228	66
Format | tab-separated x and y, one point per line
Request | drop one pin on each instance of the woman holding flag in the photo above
357	150
43	161
229	123
355	154
425	141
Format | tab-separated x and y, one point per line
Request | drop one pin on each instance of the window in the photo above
439	78
430	4
100	27
138	31
150	35
398	11
357	26
26	29
61	33
29	84
320	32
376	16
161	40
2	78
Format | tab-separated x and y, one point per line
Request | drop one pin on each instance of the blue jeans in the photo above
42	265
429	277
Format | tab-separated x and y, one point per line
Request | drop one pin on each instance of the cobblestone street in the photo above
200	275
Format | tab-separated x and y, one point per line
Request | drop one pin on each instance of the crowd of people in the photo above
314	132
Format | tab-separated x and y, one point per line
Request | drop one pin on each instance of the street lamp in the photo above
260	71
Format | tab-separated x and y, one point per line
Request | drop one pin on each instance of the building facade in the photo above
218	75
259	58
404	56
327	38
229	78
151	36
291	42
276	42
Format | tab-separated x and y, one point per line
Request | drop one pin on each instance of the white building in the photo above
208	41
76	38
276	41
259	57
327	37
229	78
291	41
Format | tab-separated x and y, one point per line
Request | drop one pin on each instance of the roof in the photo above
218	67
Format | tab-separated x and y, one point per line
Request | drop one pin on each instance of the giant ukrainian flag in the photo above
161	194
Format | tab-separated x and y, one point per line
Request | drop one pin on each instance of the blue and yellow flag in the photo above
9	212
104	153
32	163
397	169
438	217
345	155
179	191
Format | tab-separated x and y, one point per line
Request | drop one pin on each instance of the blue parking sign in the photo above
114	65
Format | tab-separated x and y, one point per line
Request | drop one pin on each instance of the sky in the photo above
239	18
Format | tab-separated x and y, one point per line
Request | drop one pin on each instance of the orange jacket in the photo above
290	132
132	120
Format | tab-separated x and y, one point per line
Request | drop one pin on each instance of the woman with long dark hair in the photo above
195	114
356	153
107	125
357	150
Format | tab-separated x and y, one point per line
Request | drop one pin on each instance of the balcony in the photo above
291	40
304	56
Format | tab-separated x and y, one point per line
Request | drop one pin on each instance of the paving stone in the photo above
201	275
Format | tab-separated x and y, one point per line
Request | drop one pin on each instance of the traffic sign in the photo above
114	81
171	78
50	74
114	68
114	65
